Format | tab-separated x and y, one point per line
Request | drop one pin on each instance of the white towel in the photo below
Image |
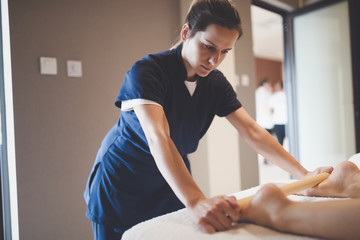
179	225
355	159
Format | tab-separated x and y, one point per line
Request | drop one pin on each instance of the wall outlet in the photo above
74	68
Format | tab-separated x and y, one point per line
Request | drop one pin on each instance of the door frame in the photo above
289	64
354	6
9	217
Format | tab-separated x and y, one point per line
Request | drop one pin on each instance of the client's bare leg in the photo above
344	181
326	219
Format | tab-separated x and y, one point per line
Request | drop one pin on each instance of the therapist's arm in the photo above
263	143
266	145
215	214
334	219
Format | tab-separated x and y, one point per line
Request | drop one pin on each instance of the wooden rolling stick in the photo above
290	188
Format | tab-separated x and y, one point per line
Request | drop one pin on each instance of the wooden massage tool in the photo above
291	188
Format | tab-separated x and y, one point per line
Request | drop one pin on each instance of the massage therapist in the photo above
168	101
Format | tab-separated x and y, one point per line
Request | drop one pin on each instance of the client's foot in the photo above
344	181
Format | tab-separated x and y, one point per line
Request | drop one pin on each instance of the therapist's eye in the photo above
211	48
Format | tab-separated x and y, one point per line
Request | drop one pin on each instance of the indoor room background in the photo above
61	120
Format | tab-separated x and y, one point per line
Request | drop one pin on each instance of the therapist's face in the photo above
204	51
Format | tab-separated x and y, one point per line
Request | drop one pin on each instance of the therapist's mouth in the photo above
207	69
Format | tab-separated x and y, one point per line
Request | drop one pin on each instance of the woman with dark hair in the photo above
168	101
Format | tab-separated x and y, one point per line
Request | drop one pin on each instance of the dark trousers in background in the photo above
280	132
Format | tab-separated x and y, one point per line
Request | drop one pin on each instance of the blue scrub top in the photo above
125	186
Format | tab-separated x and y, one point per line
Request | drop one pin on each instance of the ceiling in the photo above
267	27
267	31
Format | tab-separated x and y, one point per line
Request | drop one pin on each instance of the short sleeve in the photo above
228	101
144	81
128	105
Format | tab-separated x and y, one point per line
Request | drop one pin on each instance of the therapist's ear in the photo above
185	32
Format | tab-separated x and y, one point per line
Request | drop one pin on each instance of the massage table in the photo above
179	225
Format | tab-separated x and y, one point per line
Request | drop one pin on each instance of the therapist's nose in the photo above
215	59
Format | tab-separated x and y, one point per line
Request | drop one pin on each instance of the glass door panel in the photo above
324	94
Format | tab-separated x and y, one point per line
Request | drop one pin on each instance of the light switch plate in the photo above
245	80
48	66
74	68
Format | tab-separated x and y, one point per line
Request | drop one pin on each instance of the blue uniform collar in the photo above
182	69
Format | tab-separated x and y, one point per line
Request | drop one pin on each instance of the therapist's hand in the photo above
216	214
319	170
328	169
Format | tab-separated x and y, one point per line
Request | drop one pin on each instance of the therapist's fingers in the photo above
206	227
231	209
218	220
327	169
310	191
208	218
221	211
216	214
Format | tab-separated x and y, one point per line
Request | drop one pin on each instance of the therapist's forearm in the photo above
167	158
262	142
269	148
173	169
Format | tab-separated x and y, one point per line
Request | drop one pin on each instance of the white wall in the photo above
61	121
223	145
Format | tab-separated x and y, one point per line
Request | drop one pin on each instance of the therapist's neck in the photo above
192	78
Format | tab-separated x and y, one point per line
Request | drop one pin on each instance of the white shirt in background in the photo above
263	112
277	102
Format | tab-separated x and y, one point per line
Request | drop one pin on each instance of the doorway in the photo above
320	132
271	107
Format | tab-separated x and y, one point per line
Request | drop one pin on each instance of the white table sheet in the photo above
179	226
